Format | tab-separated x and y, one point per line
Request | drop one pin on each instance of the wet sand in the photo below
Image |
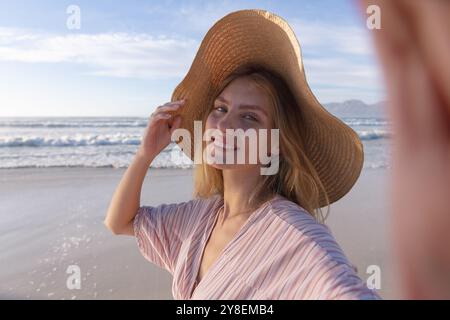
52	218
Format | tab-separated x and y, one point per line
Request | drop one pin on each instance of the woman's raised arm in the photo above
126	199
413	45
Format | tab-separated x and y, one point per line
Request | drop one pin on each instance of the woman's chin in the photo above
235	159
230	166
223	166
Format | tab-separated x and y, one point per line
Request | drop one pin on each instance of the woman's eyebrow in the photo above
245	106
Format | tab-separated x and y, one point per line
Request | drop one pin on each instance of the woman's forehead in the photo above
243	91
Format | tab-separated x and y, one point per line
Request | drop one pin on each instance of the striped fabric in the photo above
280	252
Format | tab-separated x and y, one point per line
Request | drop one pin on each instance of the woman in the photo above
246	235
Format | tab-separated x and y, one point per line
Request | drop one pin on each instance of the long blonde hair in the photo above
296	179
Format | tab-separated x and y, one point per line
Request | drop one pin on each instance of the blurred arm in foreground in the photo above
413	46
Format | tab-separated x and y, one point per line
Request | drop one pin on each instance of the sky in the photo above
127	57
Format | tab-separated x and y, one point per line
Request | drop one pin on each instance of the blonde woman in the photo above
245	235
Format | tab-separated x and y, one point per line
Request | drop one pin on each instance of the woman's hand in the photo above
157	134
414	49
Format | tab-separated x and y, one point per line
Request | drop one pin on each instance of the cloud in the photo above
317	36
336	57
339	59
117	54
342	72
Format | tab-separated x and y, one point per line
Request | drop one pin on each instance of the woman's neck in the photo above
238	187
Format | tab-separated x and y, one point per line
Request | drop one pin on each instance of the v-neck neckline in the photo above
207	235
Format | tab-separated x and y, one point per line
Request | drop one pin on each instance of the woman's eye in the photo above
250	117
246	116
220	109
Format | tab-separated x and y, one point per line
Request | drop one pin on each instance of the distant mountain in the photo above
356	108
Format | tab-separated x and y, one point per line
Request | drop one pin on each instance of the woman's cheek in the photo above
210	122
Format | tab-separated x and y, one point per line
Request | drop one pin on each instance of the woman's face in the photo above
241	105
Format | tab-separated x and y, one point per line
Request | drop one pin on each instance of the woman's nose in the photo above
224	123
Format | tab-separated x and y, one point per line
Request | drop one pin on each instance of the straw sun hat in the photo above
263	38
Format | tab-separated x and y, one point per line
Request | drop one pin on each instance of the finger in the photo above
166	108
175	124
163	110
429	22
174	103
161	116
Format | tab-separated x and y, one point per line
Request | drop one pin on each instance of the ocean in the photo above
113	141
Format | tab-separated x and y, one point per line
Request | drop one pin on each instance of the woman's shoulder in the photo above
207	202
291	213
199	203
192	208
311	242
204	205
301	225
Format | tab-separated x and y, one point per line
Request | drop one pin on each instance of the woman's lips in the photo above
219	144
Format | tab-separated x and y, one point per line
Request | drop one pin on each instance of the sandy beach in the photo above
52	218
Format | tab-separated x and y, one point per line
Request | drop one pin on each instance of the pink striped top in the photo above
280	252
